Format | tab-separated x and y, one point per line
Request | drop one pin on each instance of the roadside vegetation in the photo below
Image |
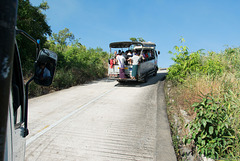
76	64
203	94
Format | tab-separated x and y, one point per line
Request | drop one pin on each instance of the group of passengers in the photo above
132	58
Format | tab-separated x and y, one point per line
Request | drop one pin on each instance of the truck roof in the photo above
146	46
127	44
149	44
123	44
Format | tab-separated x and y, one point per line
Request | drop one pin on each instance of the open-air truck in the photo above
13	91
146	67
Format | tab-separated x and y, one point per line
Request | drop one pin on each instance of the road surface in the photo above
101	121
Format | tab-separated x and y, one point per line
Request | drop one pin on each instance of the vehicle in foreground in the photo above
147	63
13	91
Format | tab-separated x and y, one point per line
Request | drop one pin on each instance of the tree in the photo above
33	21
140	39
64	42
133	39
59	41
62	36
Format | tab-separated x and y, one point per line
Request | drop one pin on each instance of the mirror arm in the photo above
18	31
26	35
26	132
37	49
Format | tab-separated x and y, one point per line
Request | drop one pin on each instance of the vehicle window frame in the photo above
17	90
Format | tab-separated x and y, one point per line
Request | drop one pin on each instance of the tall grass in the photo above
210	82
216	106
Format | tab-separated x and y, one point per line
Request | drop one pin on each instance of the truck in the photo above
148	65
13	90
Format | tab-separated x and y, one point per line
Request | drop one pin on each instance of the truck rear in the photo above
147	60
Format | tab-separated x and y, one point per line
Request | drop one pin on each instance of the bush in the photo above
185	63
213	64
213	131
232	59
63	79
76	65
195	63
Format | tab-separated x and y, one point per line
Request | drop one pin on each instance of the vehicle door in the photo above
17	110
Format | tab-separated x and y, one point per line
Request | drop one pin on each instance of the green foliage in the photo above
134	39
215	131
76	63
63	38
63	79
185	64
94	60
34	90
43	6
33	21
212	130
194	63
140	39
232	58
213	64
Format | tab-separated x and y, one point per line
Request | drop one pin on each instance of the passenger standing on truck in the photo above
119	52
121	61
145	56
114	61
135	61
129	56
115	54
149	54
142	55
124	54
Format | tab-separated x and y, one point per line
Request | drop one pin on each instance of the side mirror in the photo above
158	52
45	66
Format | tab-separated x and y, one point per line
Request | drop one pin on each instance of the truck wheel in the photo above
155	72
144	79
121	82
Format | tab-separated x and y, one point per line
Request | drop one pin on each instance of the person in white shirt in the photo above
121	61
135	61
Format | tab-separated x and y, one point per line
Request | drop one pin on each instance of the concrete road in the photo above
101	121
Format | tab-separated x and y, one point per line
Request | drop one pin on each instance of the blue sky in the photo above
204	24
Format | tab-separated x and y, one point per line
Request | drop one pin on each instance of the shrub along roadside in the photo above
195	63
212	117
68	77
76	64
213	131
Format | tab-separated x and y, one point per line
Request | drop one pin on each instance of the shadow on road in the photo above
150	81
